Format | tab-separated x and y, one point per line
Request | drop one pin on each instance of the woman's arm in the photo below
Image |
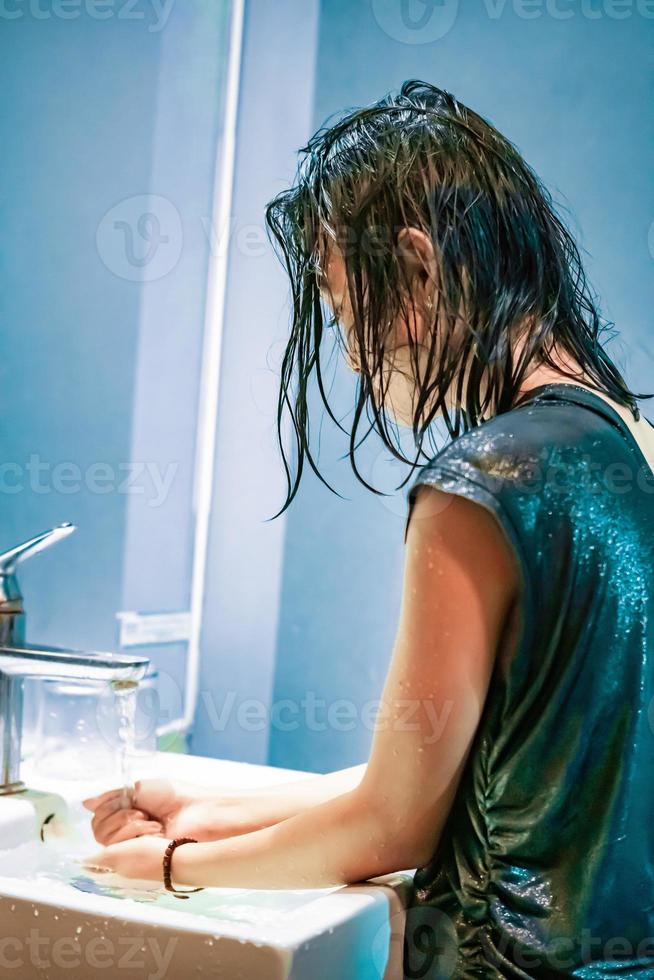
181	809
272	804
313	788
460	582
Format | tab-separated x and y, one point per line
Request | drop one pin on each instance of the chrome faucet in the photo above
19	659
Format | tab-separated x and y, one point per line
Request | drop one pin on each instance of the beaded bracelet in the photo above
167	859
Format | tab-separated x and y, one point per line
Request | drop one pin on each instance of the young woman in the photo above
527	617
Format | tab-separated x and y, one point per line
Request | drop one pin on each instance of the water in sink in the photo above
59	861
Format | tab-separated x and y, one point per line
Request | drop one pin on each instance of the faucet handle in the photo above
10	559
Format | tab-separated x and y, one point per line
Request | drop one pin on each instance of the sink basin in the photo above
60	922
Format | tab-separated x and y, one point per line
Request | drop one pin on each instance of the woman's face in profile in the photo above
397	369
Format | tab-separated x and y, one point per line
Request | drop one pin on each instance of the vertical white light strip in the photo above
211	352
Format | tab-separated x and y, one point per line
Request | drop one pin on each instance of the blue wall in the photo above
100	349
244	574
67	323
573	92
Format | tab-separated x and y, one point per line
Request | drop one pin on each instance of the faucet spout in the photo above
19	659
10	559
12	613
34	660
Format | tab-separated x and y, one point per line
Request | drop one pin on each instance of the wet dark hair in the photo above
421	158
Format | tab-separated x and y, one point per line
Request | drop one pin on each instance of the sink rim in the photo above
325	909
298	925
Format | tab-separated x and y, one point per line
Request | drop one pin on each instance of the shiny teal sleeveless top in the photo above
545	867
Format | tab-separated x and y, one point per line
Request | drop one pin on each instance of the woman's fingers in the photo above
154	795
137	828
112	805
93	802
104	827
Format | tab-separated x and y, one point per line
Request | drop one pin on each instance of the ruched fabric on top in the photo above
545	867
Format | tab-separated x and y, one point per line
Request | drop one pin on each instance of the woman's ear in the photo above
417	252
418	256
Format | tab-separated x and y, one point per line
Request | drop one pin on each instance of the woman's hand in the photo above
139	858
161	807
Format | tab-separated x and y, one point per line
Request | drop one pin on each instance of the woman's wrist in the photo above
231	813
230	816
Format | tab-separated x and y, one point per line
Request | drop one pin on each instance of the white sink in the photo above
58	922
